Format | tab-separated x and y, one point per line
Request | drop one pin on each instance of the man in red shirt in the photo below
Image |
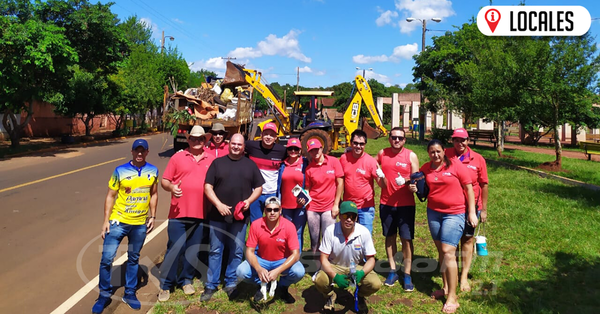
397	204
217	147
277	256
360	170
184	179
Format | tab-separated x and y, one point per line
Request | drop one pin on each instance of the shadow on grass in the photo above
589	199
572	286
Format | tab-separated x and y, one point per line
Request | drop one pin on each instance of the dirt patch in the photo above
198	310
552	166
403	301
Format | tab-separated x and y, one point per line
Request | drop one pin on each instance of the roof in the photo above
318	93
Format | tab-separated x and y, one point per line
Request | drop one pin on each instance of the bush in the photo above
445	136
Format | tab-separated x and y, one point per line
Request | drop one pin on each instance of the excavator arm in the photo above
352	113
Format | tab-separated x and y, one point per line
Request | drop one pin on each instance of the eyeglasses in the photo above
352	216
197	139
359	143
297	149
274	210
397	138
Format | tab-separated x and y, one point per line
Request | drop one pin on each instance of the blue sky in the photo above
326	39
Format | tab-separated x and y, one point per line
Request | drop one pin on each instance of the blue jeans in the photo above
185	235
288	277
298	218
446	228
366	216
225	236
136	234
256	207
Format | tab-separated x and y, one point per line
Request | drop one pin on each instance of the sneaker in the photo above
258	296
408	285
232	292
330	305
189	289
391	279
132	301
285	295
164	295
100	305
207	294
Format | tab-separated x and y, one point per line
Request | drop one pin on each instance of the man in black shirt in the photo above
230	180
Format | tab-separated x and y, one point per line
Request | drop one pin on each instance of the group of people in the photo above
228	186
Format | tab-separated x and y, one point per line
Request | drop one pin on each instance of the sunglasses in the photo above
397	138
297	149
349	215
218	133
359	143
274	210
197	139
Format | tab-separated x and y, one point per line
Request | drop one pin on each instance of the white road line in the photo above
81	293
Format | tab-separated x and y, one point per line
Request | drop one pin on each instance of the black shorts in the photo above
400	220
469	230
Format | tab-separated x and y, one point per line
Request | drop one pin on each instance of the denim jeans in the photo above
225	236
298	218
290	276
185	235
256	207
366	216
446	228
136	234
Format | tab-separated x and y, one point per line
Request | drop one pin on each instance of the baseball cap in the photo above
460	133
270	126
273	200
140	142
348	207
238	214
294	142
313	143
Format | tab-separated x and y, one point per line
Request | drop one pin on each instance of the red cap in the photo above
313	143
270	126
238	214
294	142
460	133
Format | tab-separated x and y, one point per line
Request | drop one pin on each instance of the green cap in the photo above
348	207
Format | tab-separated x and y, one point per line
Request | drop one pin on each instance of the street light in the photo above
370	69
422	111
162	41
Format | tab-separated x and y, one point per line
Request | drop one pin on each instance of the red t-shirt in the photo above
292	175
477	170
223	150
392	164
358	179
184	167
273	246
445	187
321	183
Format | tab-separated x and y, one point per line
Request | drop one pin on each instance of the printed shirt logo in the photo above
447	174
401	164
471	167
361	171
280	240
357	247
330	171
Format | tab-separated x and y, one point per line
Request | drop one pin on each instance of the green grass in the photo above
544	257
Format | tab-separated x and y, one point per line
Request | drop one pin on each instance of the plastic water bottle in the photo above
352	274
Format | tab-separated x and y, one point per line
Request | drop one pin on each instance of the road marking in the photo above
165	142
59	175
81	293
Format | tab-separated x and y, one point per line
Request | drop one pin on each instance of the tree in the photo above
196	78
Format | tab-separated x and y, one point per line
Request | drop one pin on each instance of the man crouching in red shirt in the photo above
277	255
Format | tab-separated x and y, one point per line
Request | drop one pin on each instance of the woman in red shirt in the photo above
447	180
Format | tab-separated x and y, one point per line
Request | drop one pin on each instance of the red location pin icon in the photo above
492	17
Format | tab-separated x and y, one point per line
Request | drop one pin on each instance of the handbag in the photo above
418	178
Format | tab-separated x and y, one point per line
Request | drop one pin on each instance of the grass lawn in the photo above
544	257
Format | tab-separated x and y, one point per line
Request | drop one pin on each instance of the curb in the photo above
78	145
545	175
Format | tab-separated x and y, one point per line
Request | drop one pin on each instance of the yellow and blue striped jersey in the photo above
133	201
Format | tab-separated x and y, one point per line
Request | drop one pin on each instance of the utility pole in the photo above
297	78
162	41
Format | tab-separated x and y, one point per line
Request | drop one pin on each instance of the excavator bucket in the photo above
372	132
234	76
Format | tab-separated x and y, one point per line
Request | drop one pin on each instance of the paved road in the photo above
52	211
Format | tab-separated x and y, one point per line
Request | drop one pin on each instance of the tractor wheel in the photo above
320	135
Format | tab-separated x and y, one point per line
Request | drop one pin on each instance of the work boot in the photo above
164	295
285	295
189	289
258	296
207	294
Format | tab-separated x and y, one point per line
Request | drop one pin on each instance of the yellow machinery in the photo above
362	94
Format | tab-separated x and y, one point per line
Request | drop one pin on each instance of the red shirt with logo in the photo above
321	183
276	245
223	150
358	179
292	175
184	167
477	167
391	165
446	187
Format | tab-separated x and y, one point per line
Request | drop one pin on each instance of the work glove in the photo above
400	180
359	275
341	281
379	173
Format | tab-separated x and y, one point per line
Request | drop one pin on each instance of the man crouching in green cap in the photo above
344	248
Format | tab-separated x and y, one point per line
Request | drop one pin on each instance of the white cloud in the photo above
422	9
385	17
176	20
369	74
287	46
216	65
305	69
400	52
156	33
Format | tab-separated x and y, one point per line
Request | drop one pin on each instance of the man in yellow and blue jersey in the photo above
129	211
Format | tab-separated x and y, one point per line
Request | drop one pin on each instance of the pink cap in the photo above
460	133
294	142
238	214
270	126
313	143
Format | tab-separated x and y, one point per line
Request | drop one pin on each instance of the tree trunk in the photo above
557	144
14	129
500	138
88	126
